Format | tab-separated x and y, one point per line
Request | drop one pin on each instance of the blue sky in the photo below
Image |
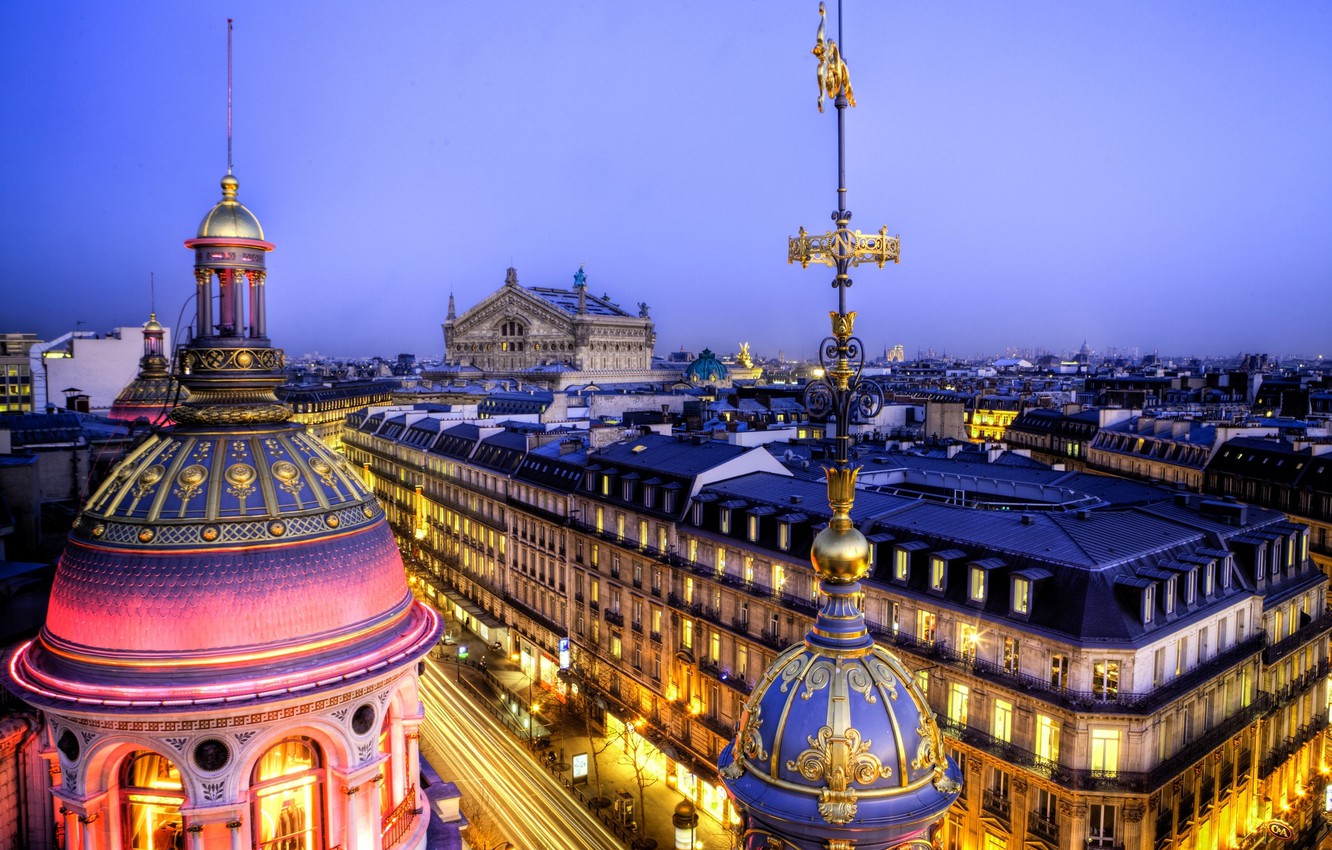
1134	174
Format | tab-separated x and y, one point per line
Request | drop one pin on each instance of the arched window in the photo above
386	768
288	789
151	795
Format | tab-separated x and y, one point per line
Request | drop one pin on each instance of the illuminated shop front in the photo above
707	796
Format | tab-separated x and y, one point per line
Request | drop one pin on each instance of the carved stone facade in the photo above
520	331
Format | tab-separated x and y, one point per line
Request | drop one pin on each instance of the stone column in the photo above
85	828
234	828
195	831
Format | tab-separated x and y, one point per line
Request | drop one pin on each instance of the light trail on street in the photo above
533	808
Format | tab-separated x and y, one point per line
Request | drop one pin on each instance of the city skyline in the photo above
1051	173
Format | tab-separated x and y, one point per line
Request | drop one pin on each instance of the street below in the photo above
468	746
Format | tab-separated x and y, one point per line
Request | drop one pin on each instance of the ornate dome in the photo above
233	557
706	369
837	741
205	567
229	219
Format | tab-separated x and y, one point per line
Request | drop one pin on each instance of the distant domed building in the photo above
153	392
707	369
230	655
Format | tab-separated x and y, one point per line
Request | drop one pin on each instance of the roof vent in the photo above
1084	514
1182	500
1028	519
795	500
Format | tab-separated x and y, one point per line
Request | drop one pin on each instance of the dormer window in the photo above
901	565
976	588
724	518
1190	587
1209	578
1170	595
1148	604
627	491
1225	573
1021	595
649	495
938	573
784	536
698	513
668	501
752	524
605	484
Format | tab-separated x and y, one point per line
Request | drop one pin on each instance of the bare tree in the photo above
483	825
594	735
636	753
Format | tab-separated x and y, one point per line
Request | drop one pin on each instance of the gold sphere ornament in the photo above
840	555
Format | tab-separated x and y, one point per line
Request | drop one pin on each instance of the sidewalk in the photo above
499	684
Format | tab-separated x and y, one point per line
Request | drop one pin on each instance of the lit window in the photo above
753	527
1148	604
288	796
1105	750
977	584
958	697
784	536
1047	738
726	520
938	573
925	626
1012	660
1003	720
1105	679
1021	595
151	795
900	564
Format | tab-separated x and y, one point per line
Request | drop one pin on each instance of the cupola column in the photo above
203	302
258	311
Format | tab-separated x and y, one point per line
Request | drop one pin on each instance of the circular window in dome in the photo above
68	744
211	754
364	719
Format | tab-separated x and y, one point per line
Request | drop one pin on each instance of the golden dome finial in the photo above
229	186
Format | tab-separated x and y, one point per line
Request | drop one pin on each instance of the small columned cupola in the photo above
229	367
154	362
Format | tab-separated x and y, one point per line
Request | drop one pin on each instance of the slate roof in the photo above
567	300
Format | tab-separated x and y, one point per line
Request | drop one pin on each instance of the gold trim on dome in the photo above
232	359
221	414
233	534
277	528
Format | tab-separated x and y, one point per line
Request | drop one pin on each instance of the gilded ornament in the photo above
151	476
837	807
322	469
277	528
209	533
288	476
751	742
190	479
833	76
241	476
146	535
792	670
818	678
367	511
839	760
331	521
97	530
244	359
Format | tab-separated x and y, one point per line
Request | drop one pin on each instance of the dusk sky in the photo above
1143	174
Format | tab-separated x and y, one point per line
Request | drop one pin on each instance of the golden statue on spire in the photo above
833	76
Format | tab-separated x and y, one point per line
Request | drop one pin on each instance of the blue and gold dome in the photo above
837	741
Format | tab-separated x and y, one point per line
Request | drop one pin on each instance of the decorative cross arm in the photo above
843	245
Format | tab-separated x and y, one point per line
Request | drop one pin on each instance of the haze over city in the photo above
1137	175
